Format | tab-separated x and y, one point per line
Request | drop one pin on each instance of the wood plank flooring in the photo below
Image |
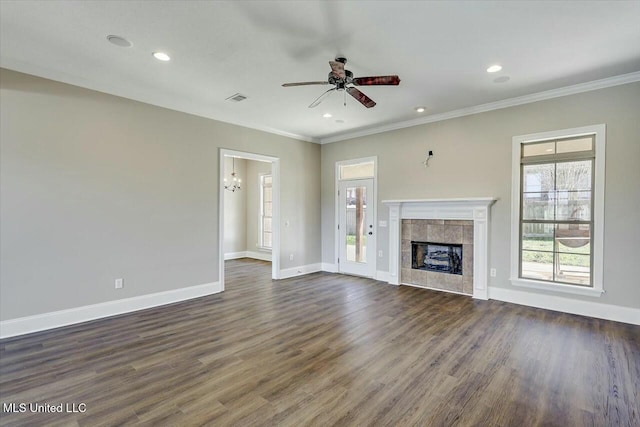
327	349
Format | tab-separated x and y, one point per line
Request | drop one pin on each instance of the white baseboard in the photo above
382	276
235	255
567	305
333	268
300	271
329	267
264	256
56	319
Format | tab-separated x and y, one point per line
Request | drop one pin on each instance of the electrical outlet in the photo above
492	272
380	254
119	283
290	257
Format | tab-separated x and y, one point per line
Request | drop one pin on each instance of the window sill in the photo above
556	287
264	249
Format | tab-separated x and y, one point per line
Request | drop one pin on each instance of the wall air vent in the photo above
237	97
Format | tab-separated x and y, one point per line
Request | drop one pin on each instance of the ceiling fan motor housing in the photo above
336	81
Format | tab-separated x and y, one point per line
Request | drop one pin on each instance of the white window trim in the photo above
599	131
261	246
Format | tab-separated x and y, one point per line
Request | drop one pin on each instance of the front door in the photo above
356	227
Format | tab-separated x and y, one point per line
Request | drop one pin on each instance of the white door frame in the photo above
275	244
374	159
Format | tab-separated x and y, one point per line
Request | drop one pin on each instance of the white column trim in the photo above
395	234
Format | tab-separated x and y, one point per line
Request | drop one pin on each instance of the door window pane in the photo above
356	241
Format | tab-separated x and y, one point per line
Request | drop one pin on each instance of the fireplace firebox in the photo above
439	257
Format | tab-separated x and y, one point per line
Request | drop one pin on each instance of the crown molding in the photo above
511	102
262	128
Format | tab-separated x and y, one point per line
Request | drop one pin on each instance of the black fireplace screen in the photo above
440	257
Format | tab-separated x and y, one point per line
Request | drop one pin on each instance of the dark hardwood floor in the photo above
327	349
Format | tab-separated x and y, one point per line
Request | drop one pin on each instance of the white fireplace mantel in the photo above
475	209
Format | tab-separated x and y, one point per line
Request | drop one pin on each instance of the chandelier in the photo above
235	181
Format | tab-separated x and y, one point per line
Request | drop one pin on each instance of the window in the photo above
266	211
358	170
558	207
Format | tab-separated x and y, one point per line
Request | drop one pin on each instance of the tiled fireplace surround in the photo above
458	214
438	231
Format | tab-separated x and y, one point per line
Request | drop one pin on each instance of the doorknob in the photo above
371	233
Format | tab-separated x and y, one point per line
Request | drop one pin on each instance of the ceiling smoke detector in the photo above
236	98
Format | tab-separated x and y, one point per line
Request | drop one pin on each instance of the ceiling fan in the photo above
343	81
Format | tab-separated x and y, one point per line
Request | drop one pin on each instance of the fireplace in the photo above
452	221
440	257
432	254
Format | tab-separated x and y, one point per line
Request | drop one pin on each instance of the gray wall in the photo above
472	158
96	187
235	208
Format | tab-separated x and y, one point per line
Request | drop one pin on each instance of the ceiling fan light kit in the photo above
343	80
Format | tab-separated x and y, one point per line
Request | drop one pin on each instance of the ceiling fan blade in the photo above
361	97
321	98
338	69
377	80
304	84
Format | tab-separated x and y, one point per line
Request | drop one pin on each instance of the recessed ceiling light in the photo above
420	109
339	121
161	56
119	41
501	79
494	68
326	115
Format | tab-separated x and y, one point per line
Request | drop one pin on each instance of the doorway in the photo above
266	188
356	217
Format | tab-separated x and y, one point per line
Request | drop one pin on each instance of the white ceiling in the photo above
440	50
